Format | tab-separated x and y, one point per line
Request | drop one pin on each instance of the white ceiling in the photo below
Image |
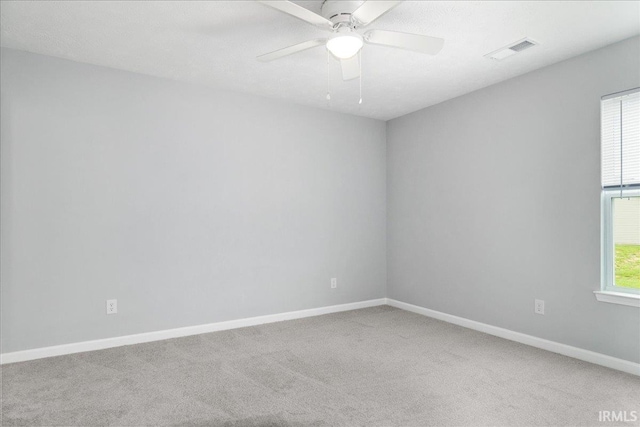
215	43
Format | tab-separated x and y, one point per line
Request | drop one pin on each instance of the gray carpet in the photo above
374	367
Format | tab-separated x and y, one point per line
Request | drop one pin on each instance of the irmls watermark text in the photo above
618	416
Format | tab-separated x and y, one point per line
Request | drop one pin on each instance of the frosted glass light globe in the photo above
345	45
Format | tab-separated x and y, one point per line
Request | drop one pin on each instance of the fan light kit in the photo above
344	19
344	44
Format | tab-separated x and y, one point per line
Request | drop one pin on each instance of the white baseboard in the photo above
555	347
79	347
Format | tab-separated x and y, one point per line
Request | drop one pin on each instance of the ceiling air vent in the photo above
512	49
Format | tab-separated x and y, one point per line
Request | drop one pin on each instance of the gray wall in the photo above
494	200
192	206
188	205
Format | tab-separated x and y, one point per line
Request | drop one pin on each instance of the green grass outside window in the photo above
628	266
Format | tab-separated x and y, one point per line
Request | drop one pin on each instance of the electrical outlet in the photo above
539	306
112	306
334	283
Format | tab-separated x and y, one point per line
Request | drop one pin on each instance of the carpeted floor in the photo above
373	367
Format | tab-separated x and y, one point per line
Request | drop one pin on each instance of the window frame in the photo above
609	292
608	247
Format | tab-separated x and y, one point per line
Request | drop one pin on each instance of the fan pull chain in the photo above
328	89
360	75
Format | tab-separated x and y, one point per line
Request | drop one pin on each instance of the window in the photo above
620	127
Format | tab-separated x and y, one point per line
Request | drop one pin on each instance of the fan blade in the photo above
372	10
291	50
300	13
350	68
415	42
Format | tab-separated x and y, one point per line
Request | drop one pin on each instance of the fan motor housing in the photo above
339	11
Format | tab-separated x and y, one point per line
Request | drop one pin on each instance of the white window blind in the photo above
620	115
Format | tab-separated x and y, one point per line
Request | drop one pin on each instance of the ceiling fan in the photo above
345	19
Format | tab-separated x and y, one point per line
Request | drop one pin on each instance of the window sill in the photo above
632	300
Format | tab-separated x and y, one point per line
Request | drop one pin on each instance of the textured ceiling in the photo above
215	43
